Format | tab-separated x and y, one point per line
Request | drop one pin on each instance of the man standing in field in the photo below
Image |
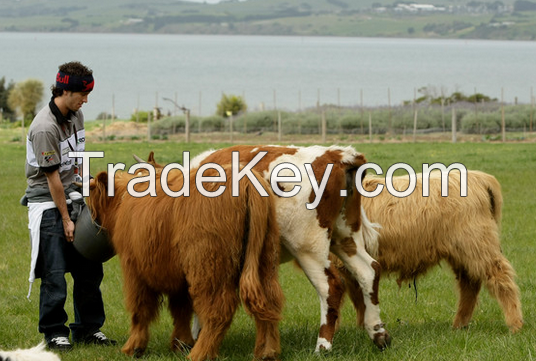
55	131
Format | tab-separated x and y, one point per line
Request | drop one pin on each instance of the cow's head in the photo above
98	201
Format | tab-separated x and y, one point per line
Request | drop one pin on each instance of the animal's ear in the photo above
359	160
152	161
102	178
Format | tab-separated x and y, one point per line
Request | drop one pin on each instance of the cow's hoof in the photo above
138	352
322	345
382	340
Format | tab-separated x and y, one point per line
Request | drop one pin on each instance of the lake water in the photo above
133	70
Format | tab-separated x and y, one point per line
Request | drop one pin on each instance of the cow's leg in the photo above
501	285
143	304
215	320
355	293
366	271
330	290
498	277
267	341
468	292
180	308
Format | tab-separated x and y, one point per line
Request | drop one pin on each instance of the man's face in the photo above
75	100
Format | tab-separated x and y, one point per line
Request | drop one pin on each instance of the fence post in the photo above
323	126
199	113
138	110
478	125
230	125
187	125
454	125
361	109
113	107
415	125
503	126
104	128
321	110
339	111
531	108
278	125
370	128
443	110
390	125
148	126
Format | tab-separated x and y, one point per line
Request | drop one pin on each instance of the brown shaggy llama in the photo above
198	251
418	232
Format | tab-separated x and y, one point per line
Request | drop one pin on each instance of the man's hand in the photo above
58	196
68	229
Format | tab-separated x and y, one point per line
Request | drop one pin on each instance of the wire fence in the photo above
488	120
476	116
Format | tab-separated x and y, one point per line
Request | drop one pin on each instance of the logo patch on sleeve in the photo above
48	156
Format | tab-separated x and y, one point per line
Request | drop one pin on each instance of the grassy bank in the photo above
420	328
366	18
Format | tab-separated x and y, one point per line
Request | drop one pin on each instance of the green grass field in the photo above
421	328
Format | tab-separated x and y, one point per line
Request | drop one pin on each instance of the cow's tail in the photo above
260	290
370	234
494	196
495	199
367	228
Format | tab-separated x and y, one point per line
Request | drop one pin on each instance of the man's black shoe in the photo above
60	343
98	338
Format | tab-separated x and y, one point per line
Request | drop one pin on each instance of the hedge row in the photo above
484	119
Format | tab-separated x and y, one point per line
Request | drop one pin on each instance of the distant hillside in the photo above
506	19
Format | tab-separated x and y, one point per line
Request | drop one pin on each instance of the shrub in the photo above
515	118
140	116
213	123
231	103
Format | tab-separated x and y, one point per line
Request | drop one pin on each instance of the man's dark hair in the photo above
71	68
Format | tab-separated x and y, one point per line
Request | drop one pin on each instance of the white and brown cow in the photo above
323	216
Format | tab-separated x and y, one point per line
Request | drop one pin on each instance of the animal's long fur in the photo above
334	225
37	353
418	232
337	224
199	251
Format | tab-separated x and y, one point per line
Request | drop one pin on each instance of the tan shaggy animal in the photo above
418	232
199	251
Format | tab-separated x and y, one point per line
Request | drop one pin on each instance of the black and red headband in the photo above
74	83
